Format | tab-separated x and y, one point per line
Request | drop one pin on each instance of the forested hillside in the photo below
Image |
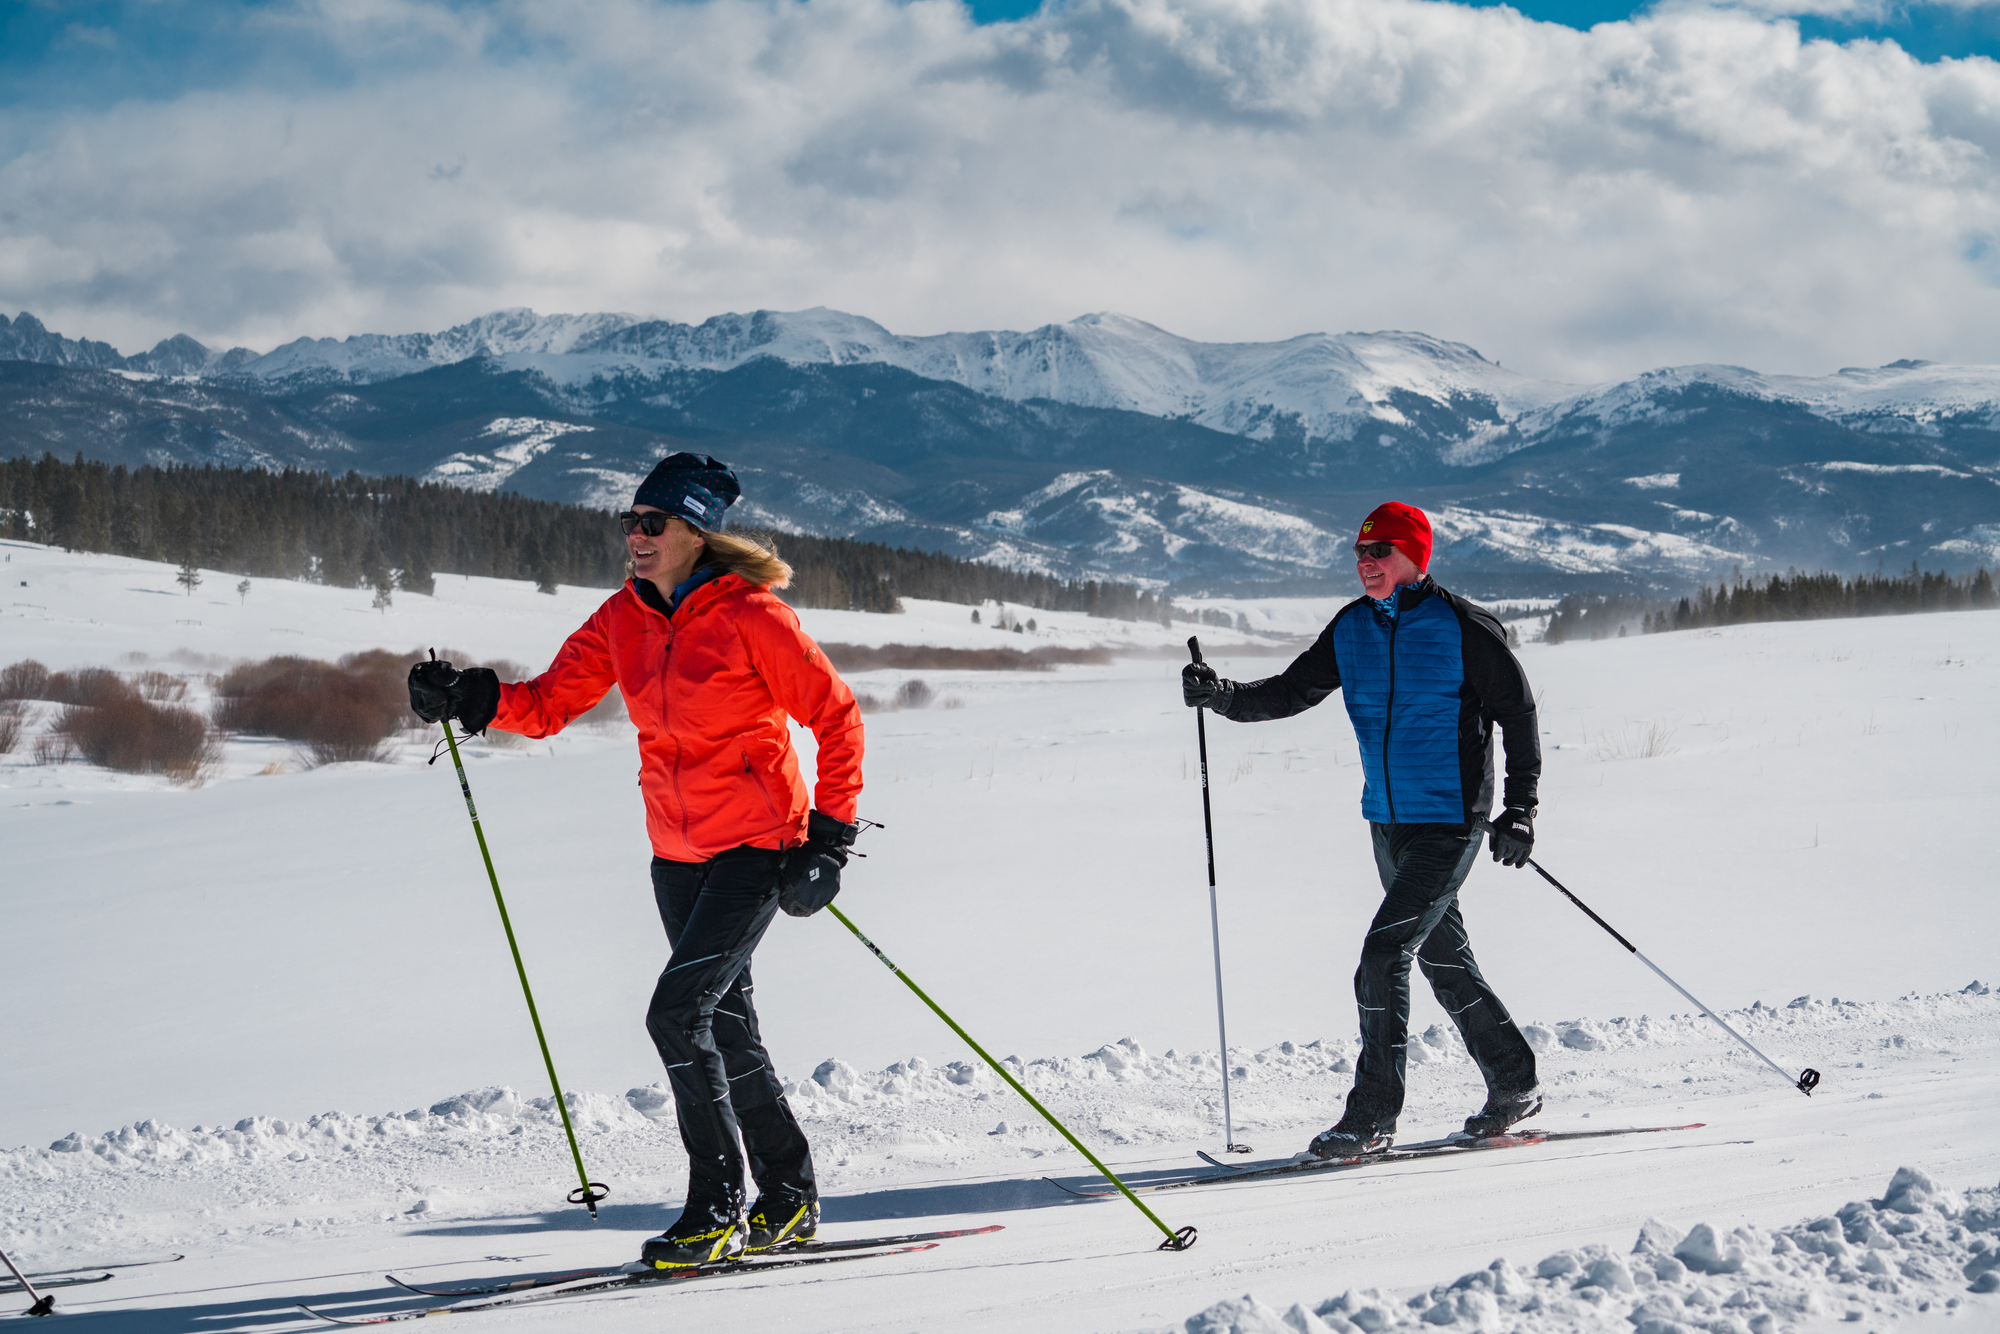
392	533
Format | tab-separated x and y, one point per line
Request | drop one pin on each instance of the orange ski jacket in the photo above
709	689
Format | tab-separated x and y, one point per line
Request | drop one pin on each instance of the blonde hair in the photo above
753	558
749	557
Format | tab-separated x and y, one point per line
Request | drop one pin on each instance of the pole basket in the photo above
589	1195
1180	1241
1808	1081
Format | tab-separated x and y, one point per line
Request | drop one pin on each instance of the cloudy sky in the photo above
1794	185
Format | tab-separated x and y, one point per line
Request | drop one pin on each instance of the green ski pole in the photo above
1176	1241
590	1192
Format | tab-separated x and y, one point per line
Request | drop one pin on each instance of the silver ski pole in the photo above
1214	918
1808	1079
44	1302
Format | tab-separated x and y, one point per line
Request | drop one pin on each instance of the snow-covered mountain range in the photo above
1102	444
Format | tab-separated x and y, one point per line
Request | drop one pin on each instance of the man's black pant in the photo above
1422	866
702	1021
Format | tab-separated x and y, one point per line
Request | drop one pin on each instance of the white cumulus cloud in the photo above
1697	185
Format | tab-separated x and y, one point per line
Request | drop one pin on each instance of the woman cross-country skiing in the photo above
710	663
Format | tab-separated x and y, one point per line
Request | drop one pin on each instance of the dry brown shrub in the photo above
162	687
132	736
10	727
26	679
53	747
336	712
89	688
923	657
914	693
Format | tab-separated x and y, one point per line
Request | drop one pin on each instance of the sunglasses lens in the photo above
1373	550
650	524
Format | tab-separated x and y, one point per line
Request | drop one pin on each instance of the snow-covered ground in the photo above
278	1016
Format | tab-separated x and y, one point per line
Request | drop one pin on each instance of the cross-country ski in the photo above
814	1246
1309	1165
660	1277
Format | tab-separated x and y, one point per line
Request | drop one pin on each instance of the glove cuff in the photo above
479	688
823	828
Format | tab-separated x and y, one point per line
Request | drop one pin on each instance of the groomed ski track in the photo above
1291	1170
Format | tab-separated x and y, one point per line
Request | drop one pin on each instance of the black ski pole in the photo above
1176	1241
590	1192
1229	1143
1808	1079
44	1302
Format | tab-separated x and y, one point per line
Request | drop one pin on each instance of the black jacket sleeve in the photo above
1312	676
1494	675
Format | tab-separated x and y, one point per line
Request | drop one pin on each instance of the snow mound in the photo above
1912	1251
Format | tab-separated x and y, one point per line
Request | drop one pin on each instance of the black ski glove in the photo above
1202	688
439	691
811	875
1513	836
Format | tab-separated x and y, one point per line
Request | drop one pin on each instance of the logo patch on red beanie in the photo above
1405	525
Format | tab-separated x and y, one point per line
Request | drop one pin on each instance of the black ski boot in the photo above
782	1218
1501	1112
1349	1139
707	1231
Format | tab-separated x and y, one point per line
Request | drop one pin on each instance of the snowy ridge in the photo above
1324	386
366	358
1316	386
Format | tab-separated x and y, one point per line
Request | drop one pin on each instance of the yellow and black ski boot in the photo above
780	1219
705	1234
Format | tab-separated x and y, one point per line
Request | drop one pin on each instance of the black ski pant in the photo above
705	1027
1422	866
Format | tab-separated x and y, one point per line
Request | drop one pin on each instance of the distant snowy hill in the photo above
1100	446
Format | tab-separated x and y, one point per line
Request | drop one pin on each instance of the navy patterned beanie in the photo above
694	487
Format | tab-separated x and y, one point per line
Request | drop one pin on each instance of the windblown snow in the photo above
271	1024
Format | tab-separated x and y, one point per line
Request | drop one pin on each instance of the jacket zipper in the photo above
666	658
1389	712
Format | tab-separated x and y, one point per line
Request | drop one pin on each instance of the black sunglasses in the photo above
1362	550
652	523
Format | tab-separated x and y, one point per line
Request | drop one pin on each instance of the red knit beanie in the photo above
1405	525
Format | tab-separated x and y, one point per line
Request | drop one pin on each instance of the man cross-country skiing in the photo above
1426	675
710	663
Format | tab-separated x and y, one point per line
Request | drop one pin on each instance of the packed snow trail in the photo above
272	1203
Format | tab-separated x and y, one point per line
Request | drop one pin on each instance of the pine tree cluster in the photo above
390	533
350	531
1791	596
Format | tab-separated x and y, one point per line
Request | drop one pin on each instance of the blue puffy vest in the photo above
1402	679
